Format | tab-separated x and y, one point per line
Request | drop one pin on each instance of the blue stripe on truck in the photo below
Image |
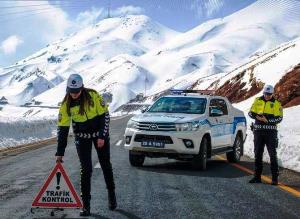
238	120
227	130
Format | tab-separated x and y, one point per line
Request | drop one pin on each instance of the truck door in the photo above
220	122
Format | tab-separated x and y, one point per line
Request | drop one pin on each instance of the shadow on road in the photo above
221	169
127	214
122	212
97	216
215	168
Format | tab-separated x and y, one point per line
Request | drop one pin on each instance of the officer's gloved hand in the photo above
100	143
261	118
59	159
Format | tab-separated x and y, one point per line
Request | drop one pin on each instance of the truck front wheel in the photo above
199	161
234	156
136	160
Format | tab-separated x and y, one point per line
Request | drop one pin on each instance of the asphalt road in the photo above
161	189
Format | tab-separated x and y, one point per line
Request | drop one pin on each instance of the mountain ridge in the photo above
152	58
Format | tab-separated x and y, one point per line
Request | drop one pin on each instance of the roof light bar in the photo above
200	92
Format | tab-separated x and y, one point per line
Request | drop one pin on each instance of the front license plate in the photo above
154	144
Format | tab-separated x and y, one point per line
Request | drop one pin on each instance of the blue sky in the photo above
27	26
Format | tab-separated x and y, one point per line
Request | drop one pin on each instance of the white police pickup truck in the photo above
187	126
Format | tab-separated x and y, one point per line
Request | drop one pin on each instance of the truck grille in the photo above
156	126
158	138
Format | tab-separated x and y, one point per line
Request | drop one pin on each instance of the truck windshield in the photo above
188	105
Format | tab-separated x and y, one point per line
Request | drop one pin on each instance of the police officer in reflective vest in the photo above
89	115
267	112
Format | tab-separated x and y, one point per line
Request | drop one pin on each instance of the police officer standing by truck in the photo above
267	112
89	115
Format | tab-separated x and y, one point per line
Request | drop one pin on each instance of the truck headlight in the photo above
132	124
182	127
189	126
195	125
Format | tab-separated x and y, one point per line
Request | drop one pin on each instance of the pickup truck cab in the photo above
187	126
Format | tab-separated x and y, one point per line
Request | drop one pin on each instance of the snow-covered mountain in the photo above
87	52
132	54
221	45
274	67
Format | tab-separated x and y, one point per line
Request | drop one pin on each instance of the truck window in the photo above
219	104
187	105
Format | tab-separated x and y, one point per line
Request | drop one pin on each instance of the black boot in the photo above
112	202
255	179
85	211
274	180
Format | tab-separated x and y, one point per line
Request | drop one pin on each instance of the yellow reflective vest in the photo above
98	108
271	109
94	123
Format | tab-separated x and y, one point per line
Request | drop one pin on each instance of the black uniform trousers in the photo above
84	150
268	138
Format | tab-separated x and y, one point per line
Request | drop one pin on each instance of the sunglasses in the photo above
74	93
268	94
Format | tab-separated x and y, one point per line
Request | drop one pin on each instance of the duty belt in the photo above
264	127
88	135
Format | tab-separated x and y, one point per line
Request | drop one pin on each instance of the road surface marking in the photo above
264	178
97	166
119	143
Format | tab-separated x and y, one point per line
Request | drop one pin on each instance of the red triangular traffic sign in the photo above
57	191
